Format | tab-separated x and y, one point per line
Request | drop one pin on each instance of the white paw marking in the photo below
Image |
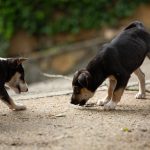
102	103
110	105
19	107
140	96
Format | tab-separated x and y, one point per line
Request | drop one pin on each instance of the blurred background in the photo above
60	36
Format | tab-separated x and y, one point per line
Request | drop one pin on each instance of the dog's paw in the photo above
19	107
110	105
103	102
140	96
100	103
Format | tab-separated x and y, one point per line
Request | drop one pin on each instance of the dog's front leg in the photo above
8	100
111	87
115	99
119	89
141	77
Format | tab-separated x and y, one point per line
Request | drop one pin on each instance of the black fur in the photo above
123	55
120	58
8	68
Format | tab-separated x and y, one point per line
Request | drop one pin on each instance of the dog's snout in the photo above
77	102
73	100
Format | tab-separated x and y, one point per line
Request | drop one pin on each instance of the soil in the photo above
52	123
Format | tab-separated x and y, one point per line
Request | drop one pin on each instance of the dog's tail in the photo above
134	24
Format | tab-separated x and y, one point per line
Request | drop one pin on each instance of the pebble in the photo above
143	130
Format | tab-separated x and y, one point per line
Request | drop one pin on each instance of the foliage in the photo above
3	47
60	16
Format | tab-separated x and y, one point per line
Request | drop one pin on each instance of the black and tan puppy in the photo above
116	60
12	74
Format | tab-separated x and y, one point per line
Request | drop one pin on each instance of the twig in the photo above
57	76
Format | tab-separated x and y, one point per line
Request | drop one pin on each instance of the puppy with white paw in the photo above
12	74
116	60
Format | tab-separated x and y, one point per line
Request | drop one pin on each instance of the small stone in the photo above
14	144
4	114
143	130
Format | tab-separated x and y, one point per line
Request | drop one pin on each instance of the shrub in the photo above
51	17
57	16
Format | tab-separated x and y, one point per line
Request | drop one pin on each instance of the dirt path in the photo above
50	122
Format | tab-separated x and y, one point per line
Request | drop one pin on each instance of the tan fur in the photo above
85	91
15	80
111	86
117	95
141	78
115	99
84	94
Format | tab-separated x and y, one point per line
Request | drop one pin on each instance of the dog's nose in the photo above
74	102
82	102
26	90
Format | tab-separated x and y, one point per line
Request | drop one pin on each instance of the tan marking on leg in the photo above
117	95
111	87
115	99
141	78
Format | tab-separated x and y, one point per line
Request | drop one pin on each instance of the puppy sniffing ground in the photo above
116	60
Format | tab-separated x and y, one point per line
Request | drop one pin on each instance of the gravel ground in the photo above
51	122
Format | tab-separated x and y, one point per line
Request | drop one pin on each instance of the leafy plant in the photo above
58	16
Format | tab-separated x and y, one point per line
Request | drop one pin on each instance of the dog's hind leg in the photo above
141	78
111	87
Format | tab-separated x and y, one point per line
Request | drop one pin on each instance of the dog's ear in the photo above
20	60
15	62
84	79
76	74
134	24
75	77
